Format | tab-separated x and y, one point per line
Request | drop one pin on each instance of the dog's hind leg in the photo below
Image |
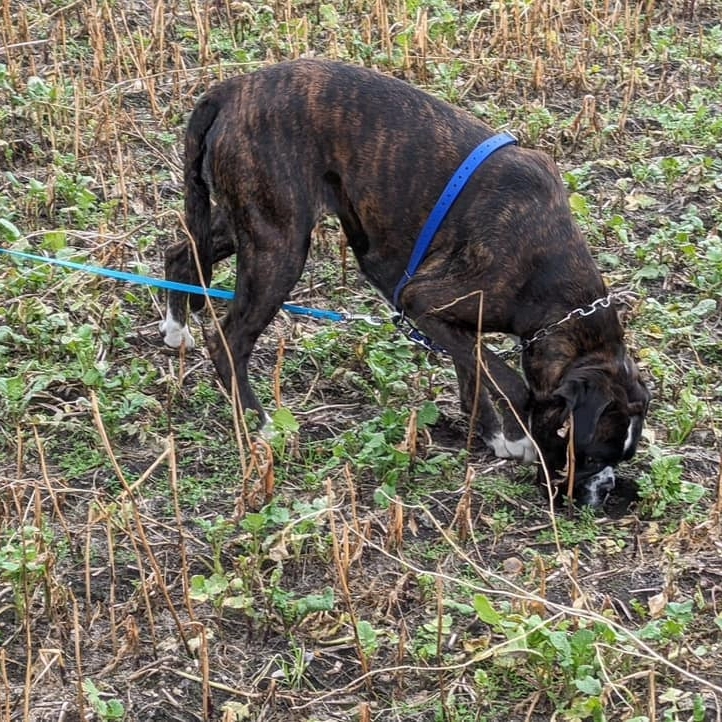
269	263
180	266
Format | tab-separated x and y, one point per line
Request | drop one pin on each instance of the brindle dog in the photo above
278	148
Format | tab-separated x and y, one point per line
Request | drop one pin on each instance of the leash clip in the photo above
366	318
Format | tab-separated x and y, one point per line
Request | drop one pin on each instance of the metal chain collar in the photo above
581	312
401	322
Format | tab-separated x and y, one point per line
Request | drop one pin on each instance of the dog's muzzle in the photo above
597	487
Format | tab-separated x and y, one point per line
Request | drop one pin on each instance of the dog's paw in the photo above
522	449
175	335
268	431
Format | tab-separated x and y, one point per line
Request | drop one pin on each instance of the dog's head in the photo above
604	406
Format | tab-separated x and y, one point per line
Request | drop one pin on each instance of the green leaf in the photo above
428	414
316	603
55	240
589	685
368	636
216	584
114	709
9	230
560	642
198	588
705	307
579	204
485	611
284	421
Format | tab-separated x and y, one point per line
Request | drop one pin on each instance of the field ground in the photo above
157	565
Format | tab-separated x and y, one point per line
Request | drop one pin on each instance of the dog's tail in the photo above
197	191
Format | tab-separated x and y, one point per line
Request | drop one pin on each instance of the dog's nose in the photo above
597	487
606	480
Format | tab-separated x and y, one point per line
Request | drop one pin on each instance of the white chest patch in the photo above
632	432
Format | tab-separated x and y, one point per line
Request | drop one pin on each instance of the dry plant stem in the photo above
439	644
483	370
87	565
478	353
48	483
278	368
341	558
214	685
571	463
205	674
532	705
160	578
29	646
547	477
462	521
6	686
20	455
77	632
110	541
173	469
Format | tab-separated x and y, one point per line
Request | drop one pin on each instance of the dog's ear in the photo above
587	402
637	408
638	395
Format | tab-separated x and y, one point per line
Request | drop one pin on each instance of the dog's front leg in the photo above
488	388
496	399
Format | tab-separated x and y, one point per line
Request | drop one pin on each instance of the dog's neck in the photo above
586	340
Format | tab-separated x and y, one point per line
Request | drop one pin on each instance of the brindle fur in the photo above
279	148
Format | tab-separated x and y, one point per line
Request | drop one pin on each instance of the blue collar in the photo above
446	200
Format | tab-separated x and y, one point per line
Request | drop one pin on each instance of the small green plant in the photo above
24	560
106	710
673	626
663	487
564	657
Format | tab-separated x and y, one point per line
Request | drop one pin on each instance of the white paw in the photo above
175	335
268	430
522	449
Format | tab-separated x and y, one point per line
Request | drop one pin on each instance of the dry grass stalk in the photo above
364	712
7	696
159	577
342	558
571	465
462	522
110	541
77	635
441	682
51	485
395	533
278	371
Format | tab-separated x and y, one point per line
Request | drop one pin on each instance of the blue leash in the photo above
137	279
446	200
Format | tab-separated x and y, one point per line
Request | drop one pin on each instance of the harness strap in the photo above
443	205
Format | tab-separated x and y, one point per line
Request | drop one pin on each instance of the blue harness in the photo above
443	205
